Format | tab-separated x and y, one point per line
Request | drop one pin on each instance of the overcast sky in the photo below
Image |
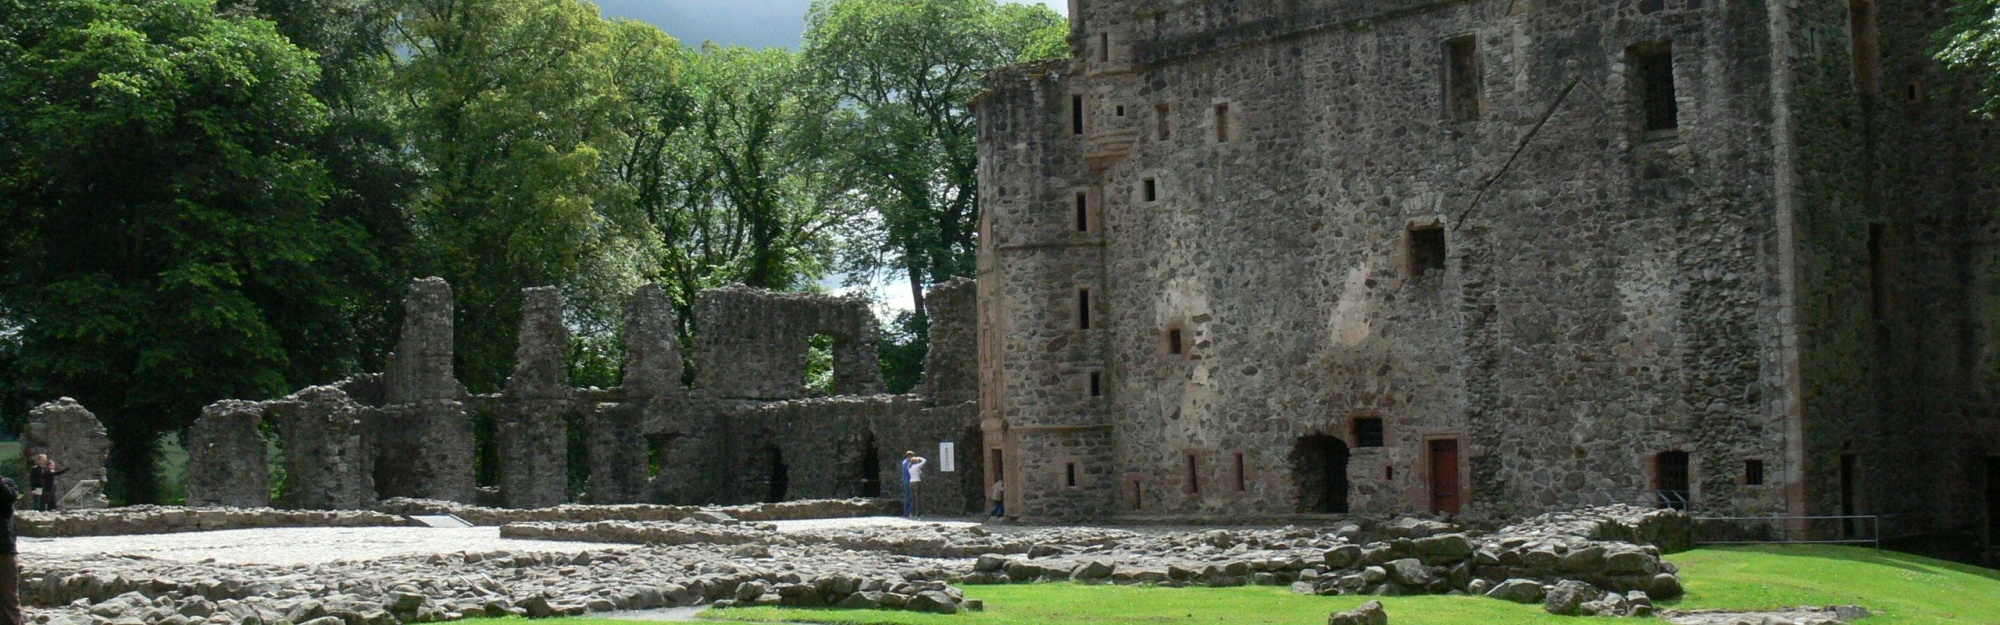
752	23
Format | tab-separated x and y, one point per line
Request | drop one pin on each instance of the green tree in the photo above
748	192
1971	44
159	213
905	72
509	107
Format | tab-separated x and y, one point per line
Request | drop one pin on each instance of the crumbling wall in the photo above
835	448
951	366
326	443
530	429
229	461
423	436
752	343
75	441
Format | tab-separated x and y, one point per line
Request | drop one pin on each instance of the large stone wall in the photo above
1263	179
75	441
409	432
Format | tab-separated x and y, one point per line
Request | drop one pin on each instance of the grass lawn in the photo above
1901	589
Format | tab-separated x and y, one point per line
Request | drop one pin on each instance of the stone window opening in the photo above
485	449
1867	38
1121	110
1651	76
1671	481
1161	118
777	476
1389	472
868	468
1753	473
1149	189
1222	122
1462	84
1096	384
1193	474
1242	477
1104	47
1426	250
819	365
1082	211
657	448
1069	475
1877	282
1914	92
1173	342
1076	114
1083	309
1368	432
1138	495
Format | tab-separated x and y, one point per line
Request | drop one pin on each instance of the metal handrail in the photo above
1788	525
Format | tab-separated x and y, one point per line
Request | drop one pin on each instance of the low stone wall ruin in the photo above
170	519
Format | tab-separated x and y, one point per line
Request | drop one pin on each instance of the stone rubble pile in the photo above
782	511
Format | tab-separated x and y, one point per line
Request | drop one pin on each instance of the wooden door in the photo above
1446	496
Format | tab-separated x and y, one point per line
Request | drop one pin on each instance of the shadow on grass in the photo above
1899	560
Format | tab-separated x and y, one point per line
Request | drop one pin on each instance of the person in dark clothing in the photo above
42	482
10	566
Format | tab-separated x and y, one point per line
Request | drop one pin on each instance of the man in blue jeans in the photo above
913	472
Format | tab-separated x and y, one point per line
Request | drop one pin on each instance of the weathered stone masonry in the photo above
748	431
1488	257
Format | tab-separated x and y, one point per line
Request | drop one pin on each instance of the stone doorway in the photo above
1848	528
1319	468
870	467
1671	479
778	482
1446	496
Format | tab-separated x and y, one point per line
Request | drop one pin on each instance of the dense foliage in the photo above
205	199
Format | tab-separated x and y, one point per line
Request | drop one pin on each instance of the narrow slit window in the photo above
1753	472
1875	271
1076	114
1242	480
1138	495
1104	47
1161	117
1652	78
1368	432
1867	37
1083	212
1194	474
1121	110
1150	190
1462	79
1174	341
1427	251
1069	475
1222	123
1096	384
1083	309
1389	473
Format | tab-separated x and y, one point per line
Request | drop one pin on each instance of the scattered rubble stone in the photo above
1370	613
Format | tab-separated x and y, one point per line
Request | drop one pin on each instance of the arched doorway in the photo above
1319	468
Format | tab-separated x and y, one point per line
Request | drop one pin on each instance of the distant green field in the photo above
1901	589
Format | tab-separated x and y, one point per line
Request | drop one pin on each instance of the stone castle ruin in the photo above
1492	257
747	431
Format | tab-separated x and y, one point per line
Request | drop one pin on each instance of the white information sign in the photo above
948	457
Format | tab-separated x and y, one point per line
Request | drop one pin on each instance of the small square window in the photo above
1222	123
1368	432
1150	190
1069	475
1076	114
1753	472
1121	110
1082	212
1174	341
1096	384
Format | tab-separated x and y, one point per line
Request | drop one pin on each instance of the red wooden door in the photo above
1445	494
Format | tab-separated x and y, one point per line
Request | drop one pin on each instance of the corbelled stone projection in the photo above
228	463
1492	257
75	441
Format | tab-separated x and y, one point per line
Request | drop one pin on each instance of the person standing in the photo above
10	566
913	472
1000	498
42	482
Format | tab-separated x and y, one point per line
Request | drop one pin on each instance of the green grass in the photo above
1900	588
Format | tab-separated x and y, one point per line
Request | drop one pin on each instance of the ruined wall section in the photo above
530	428
76	442
850	447
228	457
423	436
1567	338
326	438
951	366
752	343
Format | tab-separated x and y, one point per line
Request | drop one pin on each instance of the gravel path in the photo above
289	546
